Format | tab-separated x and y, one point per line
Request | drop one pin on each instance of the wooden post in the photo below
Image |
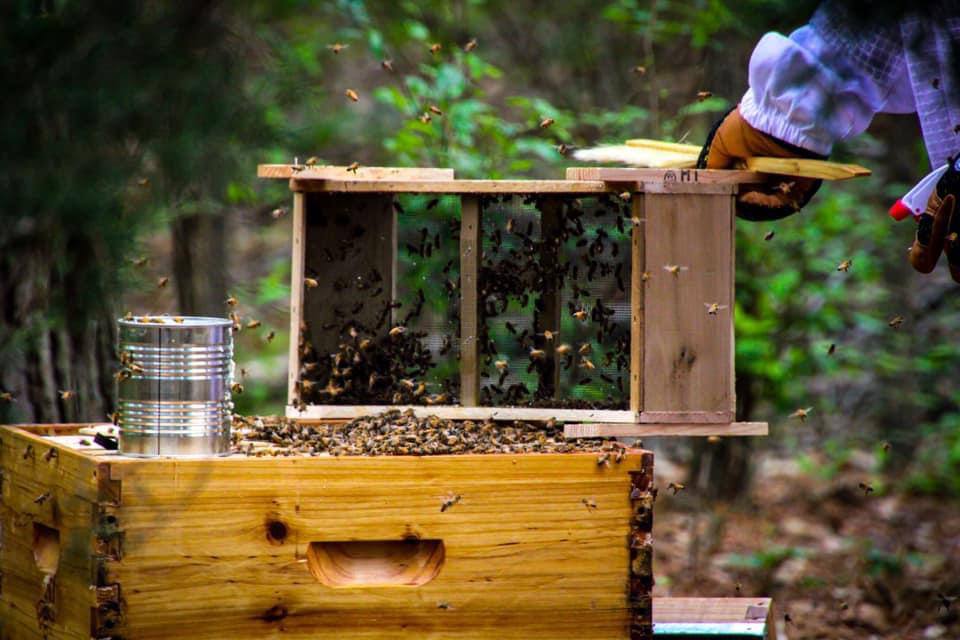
688	304
296	294
547	317
471	248
637	286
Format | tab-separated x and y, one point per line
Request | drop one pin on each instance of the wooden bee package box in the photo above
98	545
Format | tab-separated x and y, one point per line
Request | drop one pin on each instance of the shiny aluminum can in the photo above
173	390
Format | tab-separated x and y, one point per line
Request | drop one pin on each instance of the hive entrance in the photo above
376	563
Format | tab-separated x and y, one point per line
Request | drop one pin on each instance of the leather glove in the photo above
938	228
734	140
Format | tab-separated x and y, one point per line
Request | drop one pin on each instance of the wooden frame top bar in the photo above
579	180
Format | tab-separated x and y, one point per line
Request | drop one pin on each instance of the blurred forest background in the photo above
130	134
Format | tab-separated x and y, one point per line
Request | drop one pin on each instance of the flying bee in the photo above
866	488
845	265
645	276
387	65
270	336
769	235
714	307
434	109
253	324
563	349
639	70
162	282
67	394
785	187
6	396
425	118
311	283
128	316
501	365
589	503
139	262
585	348
581	314
50	454
178	319
420	390
676	487
237	388
353	166
546	122
886	446
550	335
143	182
587	364
635	221
449	500
471	45
397	331
603	459
352	95
537	354
337	47
231	301
564	149
703	95
674	269
43	497
626	196
831	349
801	414
895	322
435	48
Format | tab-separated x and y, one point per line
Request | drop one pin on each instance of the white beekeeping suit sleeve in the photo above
826	81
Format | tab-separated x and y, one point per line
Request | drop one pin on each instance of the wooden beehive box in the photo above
676	372
97	545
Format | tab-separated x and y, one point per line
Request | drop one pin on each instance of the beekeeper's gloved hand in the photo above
731	142
938	229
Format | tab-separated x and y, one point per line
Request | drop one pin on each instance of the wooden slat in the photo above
296	293
330	172
673	147
683	417
695	176
804	168
637	293
471	250
703	617
319	413
688	352
452	186
621	430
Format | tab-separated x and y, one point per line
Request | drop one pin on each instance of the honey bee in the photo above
501	365
337	47
139	262
603	459
769	235
425	118
550	335
714	439
676	487
563	149
449	501
589	503
443	604
128	316
845	265
563	349
67	394
587	364
639	69
785	187
831	349
332	390
231	301
546	122
580	314
311	283
952	237
674	269
270	336
537	354
866	488
471	45
253	324
434	109
420	390
635	221
353	167
306	385
365	344
387	65
703	95
235	319
50	454
114	417
435	48
585	348
162	282
353	95
397	331
801	414
6	396
714	307
237	388
143	182
886	446
312	161
895	322
645	276
626	196
43	497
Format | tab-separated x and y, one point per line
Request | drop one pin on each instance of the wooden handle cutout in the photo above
376	563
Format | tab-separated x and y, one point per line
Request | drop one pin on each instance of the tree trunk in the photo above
200	263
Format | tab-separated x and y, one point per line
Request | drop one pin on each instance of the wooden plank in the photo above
691	417
320	413
199	561
663	145
688	351
805	168
548	318
637	293
452	186
296	293
330	172
350	240
703	617
471	253
621	430
689	187
647	176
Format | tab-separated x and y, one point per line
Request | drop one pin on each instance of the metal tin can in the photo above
173	391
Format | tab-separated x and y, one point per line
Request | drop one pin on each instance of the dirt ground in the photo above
839	563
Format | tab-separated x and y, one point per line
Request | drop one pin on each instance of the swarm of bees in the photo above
403	434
